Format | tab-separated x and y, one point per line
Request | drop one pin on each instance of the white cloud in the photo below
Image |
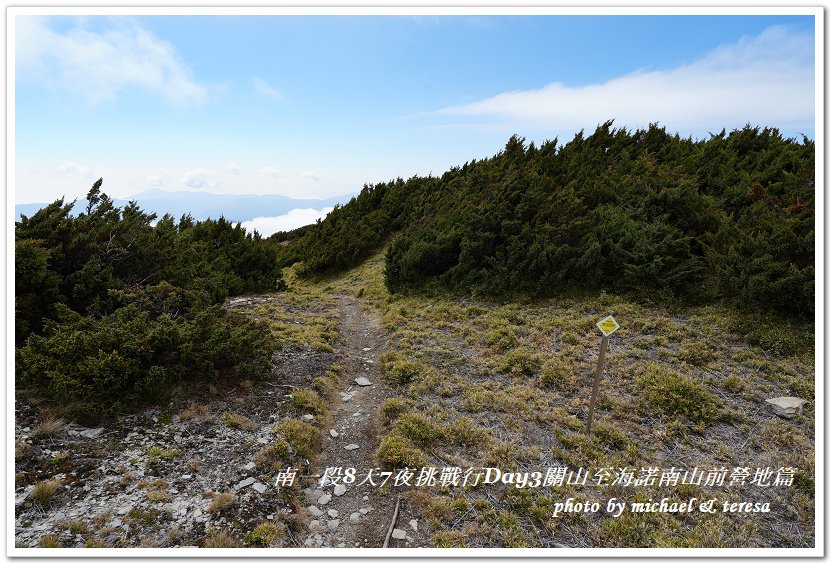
763	80
295	218
71	167
263	88
273	172
311	176
199	179
97	65
234	168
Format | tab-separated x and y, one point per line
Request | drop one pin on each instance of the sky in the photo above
318	106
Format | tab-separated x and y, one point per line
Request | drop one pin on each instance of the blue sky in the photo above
316	106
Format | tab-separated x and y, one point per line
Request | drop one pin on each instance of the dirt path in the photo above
348	514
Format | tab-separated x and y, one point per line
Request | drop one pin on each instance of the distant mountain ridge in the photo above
202	205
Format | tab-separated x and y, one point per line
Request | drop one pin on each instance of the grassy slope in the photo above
508	385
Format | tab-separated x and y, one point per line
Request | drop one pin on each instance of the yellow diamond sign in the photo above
608	325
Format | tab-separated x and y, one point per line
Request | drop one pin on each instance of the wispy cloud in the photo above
267	226
311	176
763	80
98	65
264	89
272	172
71	167
199	179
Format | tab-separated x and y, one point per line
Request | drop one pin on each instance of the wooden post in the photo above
597	375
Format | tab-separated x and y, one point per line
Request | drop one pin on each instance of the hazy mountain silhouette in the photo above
203	205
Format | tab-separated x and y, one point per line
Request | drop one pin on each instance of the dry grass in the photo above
220	539
48	426
236	420
195	411
157	495
50	541
508	385
220	501
43	491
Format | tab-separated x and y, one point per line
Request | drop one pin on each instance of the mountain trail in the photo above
347	510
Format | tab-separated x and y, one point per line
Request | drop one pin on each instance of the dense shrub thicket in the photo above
640	212
110	308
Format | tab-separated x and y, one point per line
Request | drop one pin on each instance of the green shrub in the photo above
392	408
265	535
501	337
695	352
400	370
308	401
397	452
559	372
114	306
675	395
326	386
610	435
116	363
274	455
418	428
518	362
302	437
465	432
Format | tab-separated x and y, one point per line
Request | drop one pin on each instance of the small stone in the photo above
315	511
308	416
324	500
414	524
244	483
362	381
334	433
354	516
333	513
365	497
787	407
249	466
260	487
187	476
356	414
92	432
123	510
333	524
363	511
366	349
262	440
399	534
351	447
339	490
314	524
309	542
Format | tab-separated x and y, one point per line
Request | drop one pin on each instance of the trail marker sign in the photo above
608	325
